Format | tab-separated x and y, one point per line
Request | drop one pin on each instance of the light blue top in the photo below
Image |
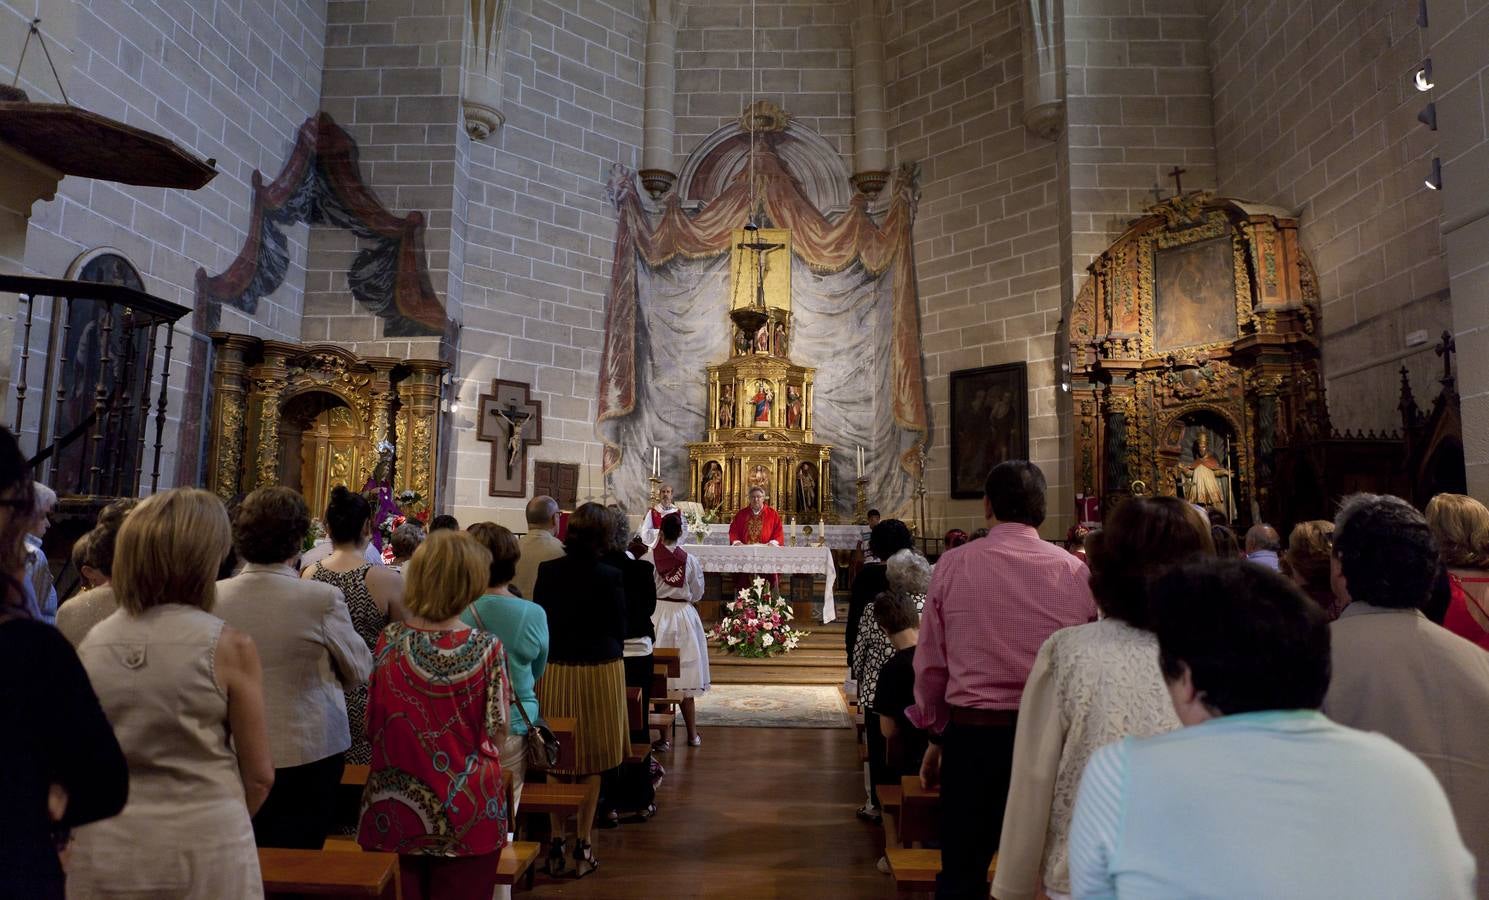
1271	804
1266	558
522	627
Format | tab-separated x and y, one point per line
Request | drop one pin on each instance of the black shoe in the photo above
584	859
558	862
870	814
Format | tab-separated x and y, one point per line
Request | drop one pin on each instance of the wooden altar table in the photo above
763	559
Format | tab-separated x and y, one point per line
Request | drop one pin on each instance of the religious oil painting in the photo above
989	423
1194	295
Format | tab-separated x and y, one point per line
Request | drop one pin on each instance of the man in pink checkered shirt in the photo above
991	604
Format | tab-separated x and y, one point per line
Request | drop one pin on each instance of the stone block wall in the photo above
540	236
804	59
1315	112
392	82
987	243
229	81
1137	80
1459	33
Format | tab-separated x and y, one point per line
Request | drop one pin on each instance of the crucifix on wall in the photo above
510	421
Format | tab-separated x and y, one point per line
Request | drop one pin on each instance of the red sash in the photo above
672	564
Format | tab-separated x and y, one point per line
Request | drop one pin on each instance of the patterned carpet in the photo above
773	706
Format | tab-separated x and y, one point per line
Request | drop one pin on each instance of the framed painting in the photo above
1194	294
989	423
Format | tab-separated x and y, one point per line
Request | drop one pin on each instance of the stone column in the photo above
229	397
418	428
661	84
870	119
481	92
1043	56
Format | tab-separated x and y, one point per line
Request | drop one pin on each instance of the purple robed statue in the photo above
379	491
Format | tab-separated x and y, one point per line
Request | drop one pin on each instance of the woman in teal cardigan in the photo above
522	627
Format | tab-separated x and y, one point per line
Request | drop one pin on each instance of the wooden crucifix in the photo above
1178	175
510	421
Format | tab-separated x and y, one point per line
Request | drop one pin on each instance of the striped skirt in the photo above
594	695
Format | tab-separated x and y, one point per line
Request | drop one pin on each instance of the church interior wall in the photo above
1459	35
392	82
987	243
227	81
540	235
1315	112
804	57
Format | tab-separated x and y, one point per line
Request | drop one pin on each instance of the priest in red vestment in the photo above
757	524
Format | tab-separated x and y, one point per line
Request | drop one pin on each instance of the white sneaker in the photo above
883	865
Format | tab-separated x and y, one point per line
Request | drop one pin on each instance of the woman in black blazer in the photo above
585	679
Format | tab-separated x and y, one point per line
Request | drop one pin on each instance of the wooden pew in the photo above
919	812
562	727
515	861
669	657
915	870
330	873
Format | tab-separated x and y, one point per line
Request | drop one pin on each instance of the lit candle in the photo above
656	461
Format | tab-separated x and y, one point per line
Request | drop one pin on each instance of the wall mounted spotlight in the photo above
1428	116
1423	78
1434	180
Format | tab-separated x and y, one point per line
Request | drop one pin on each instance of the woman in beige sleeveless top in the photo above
175	682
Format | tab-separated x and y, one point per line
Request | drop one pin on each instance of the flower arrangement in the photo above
315	533
697	525
755	624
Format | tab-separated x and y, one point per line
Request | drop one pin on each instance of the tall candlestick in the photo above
656	461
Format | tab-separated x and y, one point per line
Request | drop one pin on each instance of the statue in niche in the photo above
741	343
726	406
762	340
793	406
763	400
806	488
778	340
379	491
713	485
1207	480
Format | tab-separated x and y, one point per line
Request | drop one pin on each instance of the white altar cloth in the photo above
839	537
763	559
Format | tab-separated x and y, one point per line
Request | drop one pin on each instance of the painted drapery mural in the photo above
856	320
322	183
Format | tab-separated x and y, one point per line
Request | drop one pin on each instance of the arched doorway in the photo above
322	444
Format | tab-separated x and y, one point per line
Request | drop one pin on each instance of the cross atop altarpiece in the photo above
1178	176
509	420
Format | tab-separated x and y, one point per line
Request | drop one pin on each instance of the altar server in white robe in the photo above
651	523
679	578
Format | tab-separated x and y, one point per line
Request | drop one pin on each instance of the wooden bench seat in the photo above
355	775
516	860
329	873
915	870
919	812
663	723
669	657
556	798
637	753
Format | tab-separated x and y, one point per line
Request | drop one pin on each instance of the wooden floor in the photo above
754	812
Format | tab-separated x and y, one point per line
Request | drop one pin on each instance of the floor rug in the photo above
774	706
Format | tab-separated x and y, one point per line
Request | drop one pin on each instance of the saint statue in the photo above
779	339
741	343
806	489
713	486
793	406
726	406
1205	476
762	340
764	399
379	491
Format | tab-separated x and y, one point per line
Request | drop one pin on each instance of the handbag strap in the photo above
515	701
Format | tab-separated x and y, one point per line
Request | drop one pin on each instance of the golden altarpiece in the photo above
1194	353
759	419
311	417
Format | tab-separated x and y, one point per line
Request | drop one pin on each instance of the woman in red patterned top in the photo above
1460	525
436	719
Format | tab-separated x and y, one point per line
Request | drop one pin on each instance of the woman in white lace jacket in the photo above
1091	685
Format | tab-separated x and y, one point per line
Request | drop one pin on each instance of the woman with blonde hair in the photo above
1310	547
437	707
184	692
1460	525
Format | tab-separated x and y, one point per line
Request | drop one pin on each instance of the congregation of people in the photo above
204	694
1160	709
